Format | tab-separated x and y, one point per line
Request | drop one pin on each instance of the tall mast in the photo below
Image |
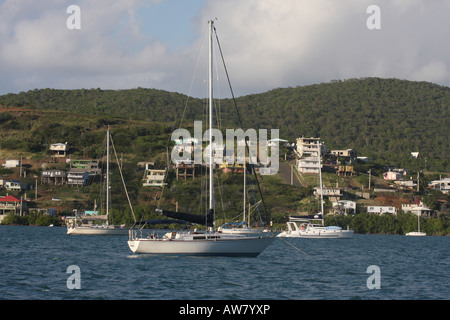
211	160
245	190
107	177
320	181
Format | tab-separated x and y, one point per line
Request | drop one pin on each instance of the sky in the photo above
266	44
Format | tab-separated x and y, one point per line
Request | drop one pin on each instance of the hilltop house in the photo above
59	149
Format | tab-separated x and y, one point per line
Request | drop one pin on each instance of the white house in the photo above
443	185
154	177
381	210
59	149
15	185
11	163
347	206
418	209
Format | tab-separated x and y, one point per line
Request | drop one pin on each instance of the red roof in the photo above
9	199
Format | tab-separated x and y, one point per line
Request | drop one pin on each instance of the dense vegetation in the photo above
384	119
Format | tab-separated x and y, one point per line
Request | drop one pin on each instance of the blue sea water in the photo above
34	263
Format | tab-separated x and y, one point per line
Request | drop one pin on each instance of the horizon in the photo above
248	94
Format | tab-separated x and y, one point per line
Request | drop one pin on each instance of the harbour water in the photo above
36	262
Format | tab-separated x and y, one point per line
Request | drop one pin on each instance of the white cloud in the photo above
266	43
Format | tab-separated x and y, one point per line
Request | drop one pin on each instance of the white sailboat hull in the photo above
416	234
215	245
322	234
308	230
243	231
98	230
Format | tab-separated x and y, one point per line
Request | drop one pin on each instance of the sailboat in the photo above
417	233
209	242
304	228
242	227
73	228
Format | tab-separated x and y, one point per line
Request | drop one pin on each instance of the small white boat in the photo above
416	233
306	229
101	229
302	228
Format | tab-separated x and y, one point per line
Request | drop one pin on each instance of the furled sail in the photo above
192	218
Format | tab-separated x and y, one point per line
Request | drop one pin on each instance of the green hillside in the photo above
383	119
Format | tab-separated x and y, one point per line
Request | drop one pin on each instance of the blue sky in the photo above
267	43
170	21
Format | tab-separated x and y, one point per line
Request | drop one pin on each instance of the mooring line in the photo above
295	247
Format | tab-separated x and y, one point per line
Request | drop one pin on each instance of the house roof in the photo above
9	199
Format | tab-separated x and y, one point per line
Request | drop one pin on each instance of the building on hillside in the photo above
415	155
418	209
185	169
53	176
59	149
307	152
77	177
381	210
345	206
91	166
11	163
11	204
443	185
409	184
15	185
154	177
345	171
231	167
392	175
333	194
348	154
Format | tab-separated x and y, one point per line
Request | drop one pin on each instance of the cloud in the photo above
289	43
266	44
108	51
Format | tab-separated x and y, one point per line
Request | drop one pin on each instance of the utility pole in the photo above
370	177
